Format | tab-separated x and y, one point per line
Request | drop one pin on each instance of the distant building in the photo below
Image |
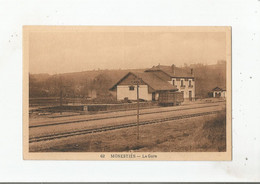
218	92
155	80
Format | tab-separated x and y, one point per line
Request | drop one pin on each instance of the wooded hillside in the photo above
79	84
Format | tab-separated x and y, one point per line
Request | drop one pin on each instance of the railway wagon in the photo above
170	98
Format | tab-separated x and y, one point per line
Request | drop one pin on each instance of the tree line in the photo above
80	85
53	85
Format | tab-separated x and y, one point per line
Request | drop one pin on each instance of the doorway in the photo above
190	95
153	96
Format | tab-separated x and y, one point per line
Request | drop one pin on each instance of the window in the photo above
182	83
189	83
131	88
173	82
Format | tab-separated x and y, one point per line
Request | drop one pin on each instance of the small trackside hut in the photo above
218	92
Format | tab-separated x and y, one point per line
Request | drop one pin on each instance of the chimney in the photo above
173	69
191	71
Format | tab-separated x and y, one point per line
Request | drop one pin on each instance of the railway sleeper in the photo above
82	132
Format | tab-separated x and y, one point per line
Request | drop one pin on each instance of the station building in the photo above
155	80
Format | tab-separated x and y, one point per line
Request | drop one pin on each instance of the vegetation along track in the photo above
111	117
115	127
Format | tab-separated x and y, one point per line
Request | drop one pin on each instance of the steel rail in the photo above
143	108
112	117
115	127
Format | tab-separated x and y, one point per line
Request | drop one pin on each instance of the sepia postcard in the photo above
127	93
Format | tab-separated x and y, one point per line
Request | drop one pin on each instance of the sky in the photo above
64	52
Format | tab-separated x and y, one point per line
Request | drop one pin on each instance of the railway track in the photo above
118	116
143	108
115	127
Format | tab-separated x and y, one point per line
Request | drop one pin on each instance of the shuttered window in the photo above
131	88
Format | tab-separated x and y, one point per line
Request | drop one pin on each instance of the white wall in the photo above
185	89
222	93
123	91
156	96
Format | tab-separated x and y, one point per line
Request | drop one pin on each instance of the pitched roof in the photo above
154	82
178	72
219	89
151	80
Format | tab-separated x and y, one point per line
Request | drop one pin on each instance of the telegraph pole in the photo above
61	95
61	98
137	110
136	82
62	92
